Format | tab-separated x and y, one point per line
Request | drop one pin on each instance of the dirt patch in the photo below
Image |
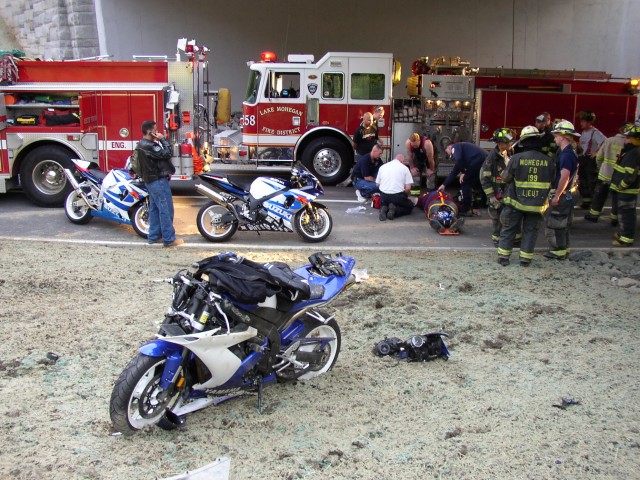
522	339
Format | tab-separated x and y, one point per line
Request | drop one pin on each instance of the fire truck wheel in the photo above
140	218
313	223
42	176
77	210
328	159
212	223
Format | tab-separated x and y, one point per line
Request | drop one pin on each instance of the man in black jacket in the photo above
154	153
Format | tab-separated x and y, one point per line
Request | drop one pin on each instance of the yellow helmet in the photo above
564	127
529	132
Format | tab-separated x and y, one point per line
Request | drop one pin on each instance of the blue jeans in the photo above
160	212
366	187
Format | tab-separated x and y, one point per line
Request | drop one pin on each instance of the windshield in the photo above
252	88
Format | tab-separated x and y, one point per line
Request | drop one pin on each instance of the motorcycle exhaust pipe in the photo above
212	194
76	186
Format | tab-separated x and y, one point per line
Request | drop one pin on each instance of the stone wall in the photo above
50	29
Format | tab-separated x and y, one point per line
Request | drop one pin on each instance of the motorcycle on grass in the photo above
233	326
267	204
115	196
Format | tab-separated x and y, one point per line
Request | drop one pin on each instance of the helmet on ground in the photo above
565	127
529	132
502	135
632	131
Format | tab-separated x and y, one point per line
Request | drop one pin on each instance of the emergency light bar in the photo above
267	57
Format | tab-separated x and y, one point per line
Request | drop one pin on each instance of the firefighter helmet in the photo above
565	127
632	131
529	132
502	135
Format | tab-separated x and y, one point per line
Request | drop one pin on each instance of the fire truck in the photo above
308	111
52	111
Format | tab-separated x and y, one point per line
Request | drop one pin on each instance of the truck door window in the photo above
283	85
367	86
252	88
332	85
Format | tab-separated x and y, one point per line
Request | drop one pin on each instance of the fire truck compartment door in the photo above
88	111
3	113
313	112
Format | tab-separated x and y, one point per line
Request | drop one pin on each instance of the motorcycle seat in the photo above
99	174
241	181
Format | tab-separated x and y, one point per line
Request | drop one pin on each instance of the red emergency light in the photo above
268	57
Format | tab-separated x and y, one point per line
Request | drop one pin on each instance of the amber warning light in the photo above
268	57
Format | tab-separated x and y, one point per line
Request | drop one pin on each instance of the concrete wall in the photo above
50	29
545	34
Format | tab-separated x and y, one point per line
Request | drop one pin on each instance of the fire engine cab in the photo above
92	110
308	111
301	110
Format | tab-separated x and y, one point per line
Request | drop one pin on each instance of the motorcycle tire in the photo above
139	216
315	328
209	225
313	223
77	210
135	402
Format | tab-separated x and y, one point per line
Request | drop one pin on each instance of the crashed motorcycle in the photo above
266	204
116	196
233	326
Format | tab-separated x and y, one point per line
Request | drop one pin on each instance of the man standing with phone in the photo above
154	153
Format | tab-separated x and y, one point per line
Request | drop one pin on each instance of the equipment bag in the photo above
53	118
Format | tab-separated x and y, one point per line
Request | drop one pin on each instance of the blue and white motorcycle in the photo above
233	326
266	204
115	196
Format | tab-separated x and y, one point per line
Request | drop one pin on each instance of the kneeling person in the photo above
394	181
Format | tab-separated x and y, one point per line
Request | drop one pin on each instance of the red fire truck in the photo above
93	110
301	110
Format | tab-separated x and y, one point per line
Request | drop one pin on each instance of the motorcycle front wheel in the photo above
313	224
212	224
139	216
77	210
137	401
310	357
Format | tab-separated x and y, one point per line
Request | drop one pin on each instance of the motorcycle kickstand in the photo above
259	381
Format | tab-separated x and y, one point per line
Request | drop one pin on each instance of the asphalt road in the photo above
22	220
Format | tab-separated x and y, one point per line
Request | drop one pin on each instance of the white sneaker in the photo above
361	199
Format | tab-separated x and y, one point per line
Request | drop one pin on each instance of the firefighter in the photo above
559	216
420	153
606	158
491	177
468	159
590	141
543	124
528	177
626	182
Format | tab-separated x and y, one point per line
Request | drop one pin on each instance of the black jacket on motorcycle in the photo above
155	159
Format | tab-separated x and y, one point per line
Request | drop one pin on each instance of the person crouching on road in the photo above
394	180
365	172
559	216
626	183
155	162
528	176
491	177
468	160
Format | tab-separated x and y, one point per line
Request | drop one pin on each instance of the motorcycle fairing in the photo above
211	347
332	284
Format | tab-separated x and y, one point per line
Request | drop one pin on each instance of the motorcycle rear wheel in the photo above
312	329
139	216
313	224
77	210
209	224
136	400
